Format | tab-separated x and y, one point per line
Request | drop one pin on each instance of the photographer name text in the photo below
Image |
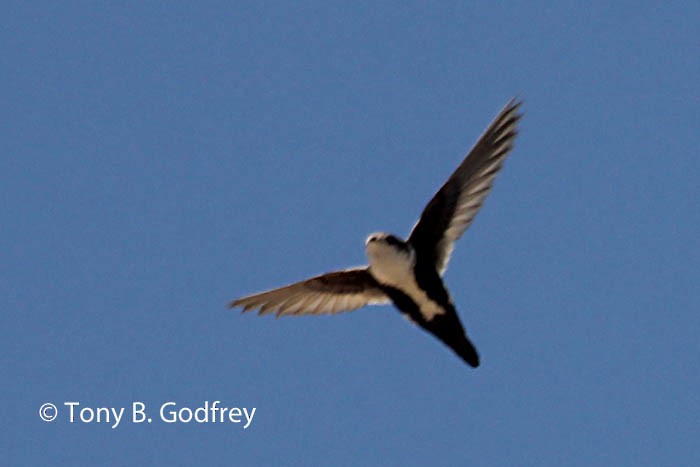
138	413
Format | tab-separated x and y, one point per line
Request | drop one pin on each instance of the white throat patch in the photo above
394	267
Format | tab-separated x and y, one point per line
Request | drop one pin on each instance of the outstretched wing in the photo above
328	293
454	206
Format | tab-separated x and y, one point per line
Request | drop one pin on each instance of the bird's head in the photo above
382	244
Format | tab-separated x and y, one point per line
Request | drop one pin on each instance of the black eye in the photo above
391	240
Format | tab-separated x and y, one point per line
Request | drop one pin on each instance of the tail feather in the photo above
450	331
467	351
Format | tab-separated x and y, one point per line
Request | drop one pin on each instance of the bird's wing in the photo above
328	293
454	206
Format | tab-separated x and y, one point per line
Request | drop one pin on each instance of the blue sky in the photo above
160	159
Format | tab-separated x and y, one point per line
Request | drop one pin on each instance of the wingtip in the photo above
511	114
515	101
514	105
236	304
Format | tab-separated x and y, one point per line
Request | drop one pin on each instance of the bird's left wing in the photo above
328	293
454	206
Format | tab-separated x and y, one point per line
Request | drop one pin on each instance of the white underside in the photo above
394	268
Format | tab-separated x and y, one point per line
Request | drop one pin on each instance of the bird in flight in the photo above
408	273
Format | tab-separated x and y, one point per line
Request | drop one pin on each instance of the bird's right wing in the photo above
328	293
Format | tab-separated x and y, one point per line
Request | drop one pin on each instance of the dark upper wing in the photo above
332	292
454	206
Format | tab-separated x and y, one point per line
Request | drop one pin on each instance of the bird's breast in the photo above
397	271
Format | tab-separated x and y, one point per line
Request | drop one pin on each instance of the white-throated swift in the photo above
409	273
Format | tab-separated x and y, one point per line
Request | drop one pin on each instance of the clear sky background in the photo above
160	159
